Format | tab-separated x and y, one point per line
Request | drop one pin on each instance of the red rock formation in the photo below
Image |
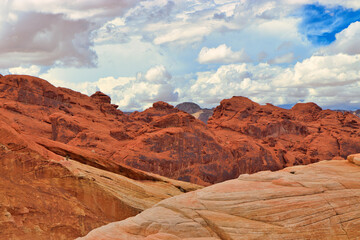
44	193
241	136
269	137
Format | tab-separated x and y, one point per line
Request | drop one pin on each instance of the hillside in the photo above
241	136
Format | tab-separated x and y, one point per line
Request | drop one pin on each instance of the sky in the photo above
139	52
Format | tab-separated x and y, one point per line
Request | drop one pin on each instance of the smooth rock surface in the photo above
316	201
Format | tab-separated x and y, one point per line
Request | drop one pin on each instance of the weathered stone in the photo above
317	201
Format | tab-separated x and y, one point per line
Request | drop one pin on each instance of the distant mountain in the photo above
189	107
203	114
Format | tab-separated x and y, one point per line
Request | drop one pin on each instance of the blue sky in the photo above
139	52
320	23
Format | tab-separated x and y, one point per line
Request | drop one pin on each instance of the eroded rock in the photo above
317	201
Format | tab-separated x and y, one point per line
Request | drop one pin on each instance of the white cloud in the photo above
79	9
222	54
131	93
354	4
157	74
32	70
347	41
232	80
187	22
326	80
322	71
140	92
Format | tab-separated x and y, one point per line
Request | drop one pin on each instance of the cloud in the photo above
46	39
112	32
353	4
286	58
322	71
140	92
31	70
347	41
188	22
232	80
132	93
185	36
157	74
79	9
151	11
326	80
321	23
222	54
53	33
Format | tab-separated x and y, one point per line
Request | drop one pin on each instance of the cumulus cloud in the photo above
133	93
321	71
347	41
31	70
46	39
232	80
51	32
222	54
326	80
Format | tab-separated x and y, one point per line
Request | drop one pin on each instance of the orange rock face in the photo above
46	192
301	135
70	162
318	201
241	136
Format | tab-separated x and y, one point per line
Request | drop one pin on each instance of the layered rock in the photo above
265	137
42	199
52	189
317	201
241	136
78	162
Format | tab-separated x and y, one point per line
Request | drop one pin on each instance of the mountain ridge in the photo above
240	137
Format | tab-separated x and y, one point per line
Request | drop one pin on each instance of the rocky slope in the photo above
265	137
46	192
41	199
317	201
241	136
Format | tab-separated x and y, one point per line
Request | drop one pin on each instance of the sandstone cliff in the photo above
317	201
241	136
46	192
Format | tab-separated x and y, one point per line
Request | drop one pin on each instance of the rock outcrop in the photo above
317	201
265	137
70	162
241	136
52	189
